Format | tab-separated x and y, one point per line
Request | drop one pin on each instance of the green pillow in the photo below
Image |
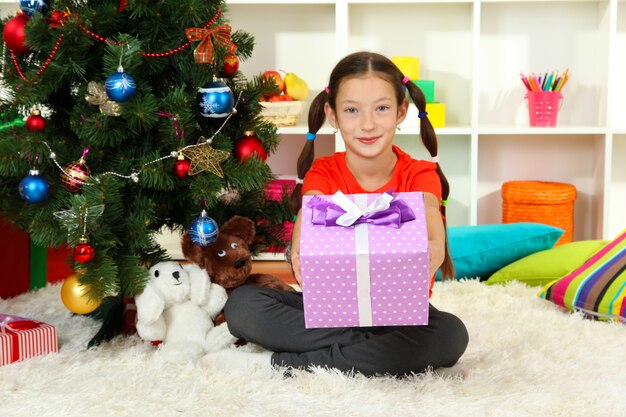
547	265
479	251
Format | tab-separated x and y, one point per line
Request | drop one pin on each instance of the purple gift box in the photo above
364	260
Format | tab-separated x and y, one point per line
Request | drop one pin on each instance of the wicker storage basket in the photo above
544	202
282	113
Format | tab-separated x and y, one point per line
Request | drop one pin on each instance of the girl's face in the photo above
367	115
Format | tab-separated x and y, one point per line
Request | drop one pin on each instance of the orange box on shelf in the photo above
550	203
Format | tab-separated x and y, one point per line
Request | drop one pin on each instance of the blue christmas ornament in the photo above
34	188
203	230
215	100
29	7
120	87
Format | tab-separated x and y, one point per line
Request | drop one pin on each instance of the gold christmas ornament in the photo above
97	96
75	298
204	158
74	175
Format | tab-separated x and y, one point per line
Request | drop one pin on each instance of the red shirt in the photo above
330	173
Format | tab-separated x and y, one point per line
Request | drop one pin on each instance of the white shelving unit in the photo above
475	50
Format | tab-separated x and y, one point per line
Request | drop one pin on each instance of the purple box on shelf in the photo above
373	268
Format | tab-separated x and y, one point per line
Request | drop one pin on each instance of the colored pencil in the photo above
549	81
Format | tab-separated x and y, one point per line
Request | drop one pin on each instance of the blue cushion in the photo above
479	251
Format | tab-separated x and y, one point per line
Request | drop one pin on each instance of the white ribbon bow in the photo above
353	212
3	324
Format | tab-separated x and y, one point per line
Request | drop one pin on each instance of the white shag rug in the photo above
526	357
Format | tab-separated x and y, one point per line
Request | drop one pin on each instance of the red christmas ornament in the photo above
34	122
248	146
181	167
75	175
84	252
230	66
14	34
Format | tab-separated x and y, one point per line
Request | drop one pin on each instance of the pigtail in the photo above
307	155
429	139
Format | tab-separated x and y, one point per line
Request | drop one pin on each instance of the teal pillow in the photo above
479	251
547	265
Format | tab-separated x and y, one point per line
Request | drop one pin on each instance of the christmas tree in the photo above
136	119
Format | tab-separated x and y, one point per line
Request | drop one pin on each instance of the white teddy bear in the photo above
177	307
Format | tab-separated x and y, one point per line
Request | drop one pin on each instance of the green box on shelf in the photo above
428	87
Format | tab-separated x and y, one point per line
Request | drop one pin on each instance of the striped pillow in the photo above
598	287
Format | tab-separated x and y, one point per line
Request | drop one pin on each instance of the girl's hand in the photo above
436	232
436	255
294	256
295	265
295	242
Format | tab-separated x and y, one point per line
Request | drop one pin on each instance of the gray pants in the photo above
275	320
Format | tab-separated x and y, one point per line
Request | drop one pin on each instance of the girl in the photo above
365	100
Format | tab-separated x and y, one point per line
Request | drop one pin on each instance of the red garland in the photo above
43	67
151	54
59	20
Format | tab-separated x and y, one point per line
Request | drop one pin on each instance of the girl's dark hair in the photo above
359	64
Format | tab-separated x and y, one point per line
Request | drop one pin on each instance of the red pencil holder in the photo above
543	107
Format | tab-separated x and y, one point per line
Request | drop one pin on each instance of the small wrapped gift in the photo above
22	338
275	189
364	260
31	265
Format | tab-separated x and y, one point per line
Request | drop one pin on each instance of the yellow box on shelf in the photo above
409	65
436	114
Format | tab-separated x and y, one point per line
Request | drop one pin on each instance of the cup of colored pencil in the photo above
543	96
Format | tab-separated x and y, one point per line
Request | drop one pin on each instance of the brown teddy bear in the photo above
229	260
